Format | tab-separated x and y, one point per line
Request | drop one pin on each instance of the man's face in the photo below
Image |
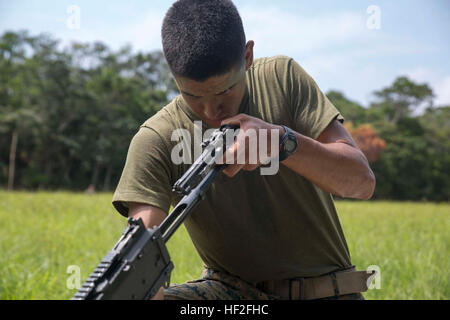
218	97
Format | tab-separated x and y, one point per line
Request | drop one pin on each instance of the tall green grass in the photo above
408	241
42	234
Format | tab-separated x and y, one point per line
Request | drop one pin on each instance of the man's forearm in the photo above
338	167
151	216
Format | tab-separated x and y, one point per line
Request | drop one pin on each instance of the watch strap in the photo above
283	155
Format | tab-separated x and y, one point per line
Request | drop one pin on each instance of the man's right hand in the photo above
151	216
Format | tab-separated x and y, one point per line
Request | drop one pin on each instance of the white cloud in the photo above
143	33
337	49
146	33
437	80
442	90
276	31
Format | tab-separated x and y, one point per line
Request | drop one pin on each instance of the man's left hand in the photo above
254	135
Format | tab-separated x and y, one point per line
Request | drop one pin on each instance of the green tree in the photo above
18	110
400	99
67	115
414	165
350	110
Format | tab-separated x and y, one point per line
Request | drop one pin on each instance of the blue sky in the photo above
334	41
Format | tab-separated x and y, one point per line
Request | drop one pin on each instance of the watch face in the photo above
290	145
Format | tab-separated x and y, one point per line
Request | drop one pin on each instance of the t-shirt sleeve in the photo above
147	173
313	112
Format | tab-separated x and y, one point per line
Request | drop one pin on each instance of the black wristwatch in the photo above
288	144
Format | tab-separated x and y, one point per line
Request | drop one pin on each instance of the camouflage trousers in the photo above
217	285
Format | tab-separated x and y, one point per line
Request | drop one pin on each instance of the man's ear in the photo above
249	54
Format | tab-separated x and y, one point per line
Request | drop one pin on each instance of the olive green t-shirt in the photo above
257	227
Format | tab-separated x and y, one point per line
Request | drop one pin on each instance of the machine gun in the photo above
139	263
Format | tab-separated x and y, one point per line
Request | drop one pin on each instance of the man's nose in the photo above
212	108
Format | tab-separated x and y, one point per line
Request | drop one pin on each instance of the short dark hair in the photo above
202	38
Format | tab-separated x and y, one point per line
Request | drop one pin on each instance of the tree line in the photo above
67	116
408	153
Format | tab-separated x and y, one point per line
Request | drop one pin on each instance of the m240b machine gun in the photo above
139	263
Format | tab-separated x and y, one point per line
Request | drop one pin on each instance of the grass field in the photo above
42	234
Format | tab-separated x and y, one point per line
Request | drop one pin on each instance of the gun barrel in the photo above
187	204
